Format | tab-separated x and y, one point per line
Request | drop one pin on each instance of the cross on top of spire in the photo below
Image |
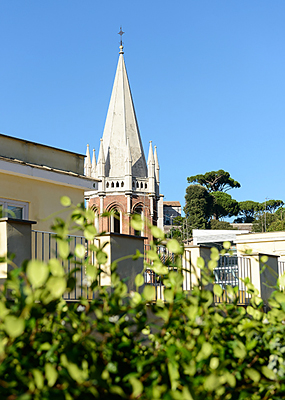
121	41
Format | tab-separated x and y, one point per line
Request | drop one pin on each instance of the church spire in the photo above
128	167
121	122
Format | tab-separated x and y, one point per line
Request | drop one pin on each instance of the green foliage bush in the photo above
123	345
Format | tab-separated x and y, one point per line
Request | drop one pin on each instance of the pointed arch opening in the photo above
138	209
115	220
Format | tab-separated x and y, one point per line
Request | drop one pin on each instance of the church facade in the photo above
128	184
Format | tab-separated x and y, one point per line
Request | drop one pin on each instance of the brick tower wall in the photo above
120	203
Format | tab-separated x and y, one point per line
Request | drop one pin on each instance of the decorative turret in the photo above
87	163
93	168
101	167
156	165
128	167
151	172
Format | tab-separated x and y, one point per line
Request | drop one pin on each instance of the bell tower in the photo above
128	184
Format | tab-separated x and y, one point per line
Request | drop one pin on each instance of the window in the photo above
138	210
115	221
14	209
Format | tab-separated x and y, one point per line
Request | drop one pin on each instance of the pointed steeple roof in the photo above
87	166
156	164
93	168
150	159
121	123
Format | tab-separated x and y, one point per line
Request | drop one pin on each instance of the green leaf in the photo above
65	201
174	247
157	233
227	245
75	372
137	222
137	386
212	265
152	255
14	326
91	271
268	373
139	280
264	259
205	352
55	267
135	298
200	262
215	254
90	232
149	293
3	310
80	251
38	378
57	286
211	382
37	273
253	374
218	290
51	374
214	362
173	374
281	280
101	257
117	390
63	248
239	349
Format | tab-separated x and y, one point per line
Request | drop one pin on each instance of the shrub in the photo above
123	345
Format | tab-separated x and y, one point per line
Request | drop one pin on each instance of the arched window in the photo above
141	185
112	184
138	210
138	185
122	184
115	221
145	185
96	219
117	184
107	184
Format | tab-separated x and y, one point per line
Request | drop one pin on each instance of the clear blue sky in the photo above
207	77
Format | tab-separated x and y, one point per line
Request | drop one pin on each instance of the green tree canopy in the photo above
272	205
247	210
278	225
199	206
215	224
215	181
263	222
224	205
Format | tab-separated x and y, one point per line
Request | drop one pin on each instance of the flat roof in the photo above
41	144
172	203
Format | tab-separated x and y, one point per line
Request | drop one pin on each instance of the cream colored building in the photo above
265	243
33	177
